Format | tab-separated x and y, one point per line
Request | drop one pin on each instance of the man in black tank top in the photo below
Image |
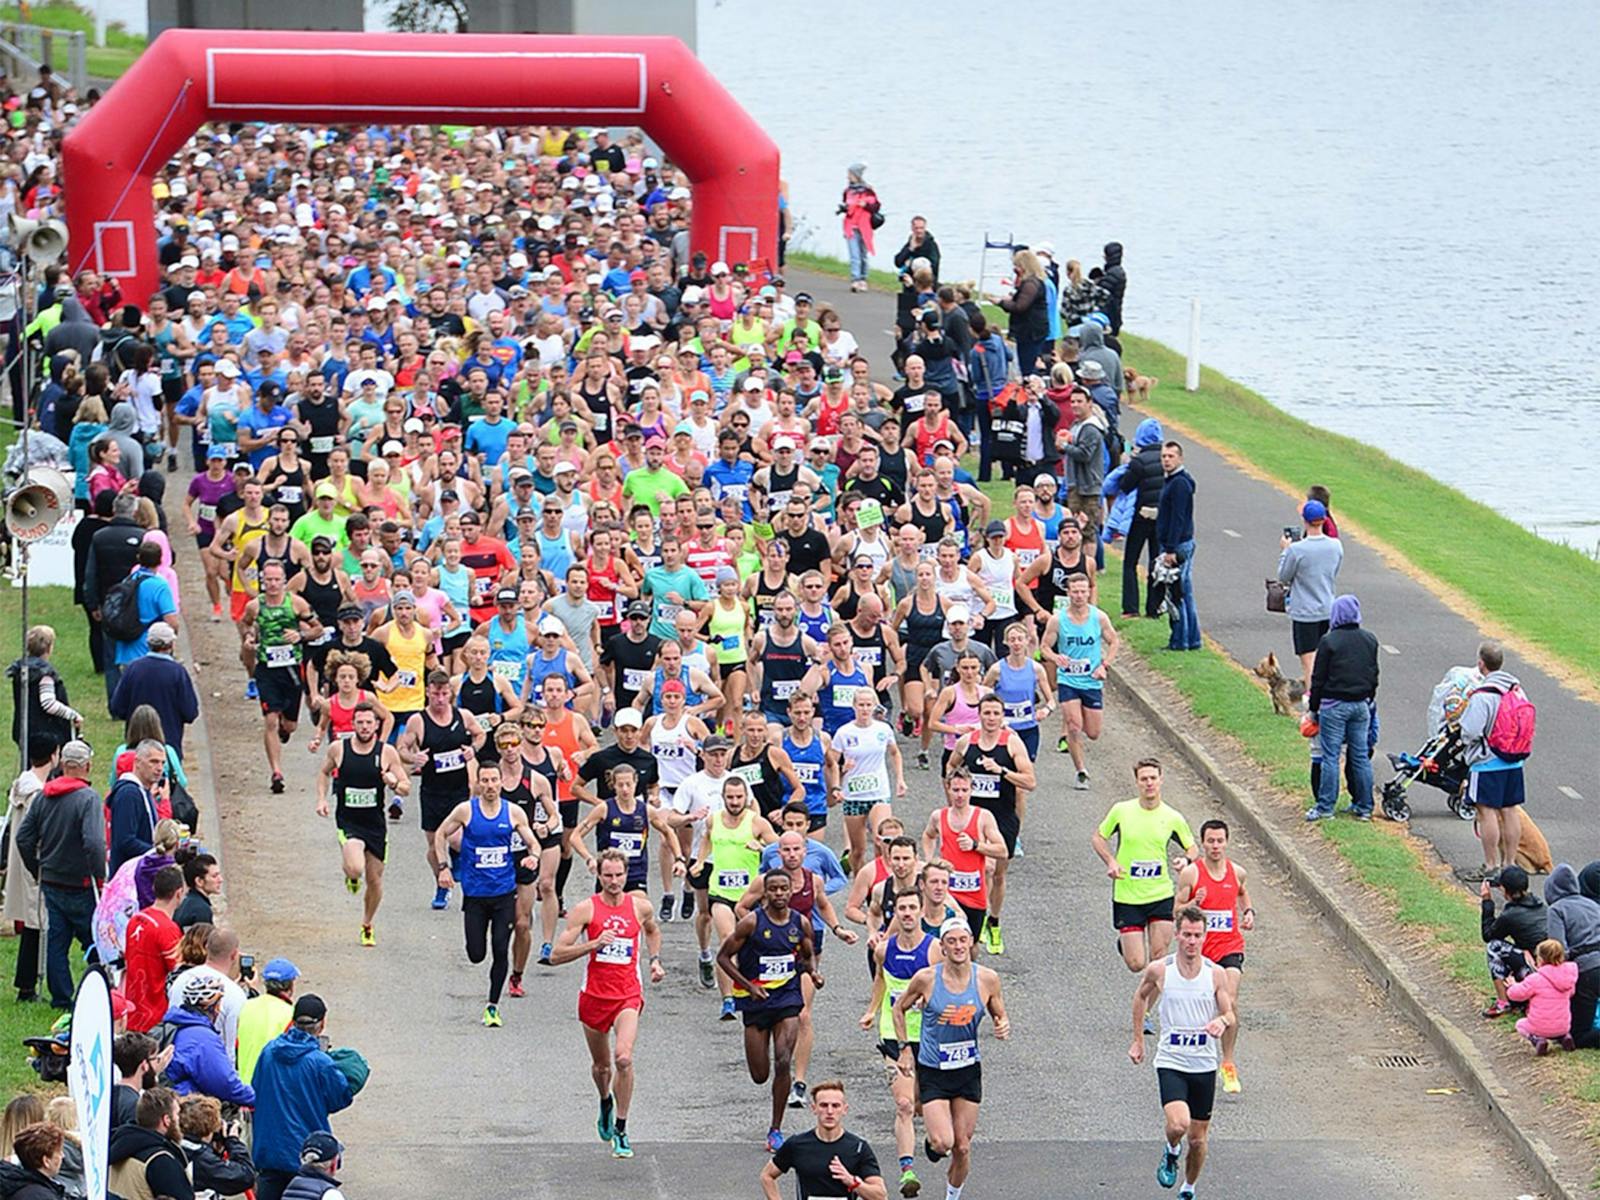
322	417
361	769
630	657
440	742
877	647
1054	570
784	655
1002	776
765	768
323	587
276	546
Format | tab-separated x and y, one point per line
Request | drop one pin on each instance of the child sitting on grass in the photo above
1548	991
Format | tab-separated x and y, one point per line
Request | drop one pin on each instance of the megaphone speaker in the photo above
37	504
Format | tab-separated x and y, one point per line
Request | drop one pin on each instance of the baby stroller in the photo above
1440	762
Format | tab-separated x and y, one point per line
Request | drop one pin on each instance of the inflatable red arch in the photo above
189	77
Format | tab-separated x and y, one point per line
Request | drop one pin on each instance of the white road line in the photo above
1570	793
1233	533
1388	649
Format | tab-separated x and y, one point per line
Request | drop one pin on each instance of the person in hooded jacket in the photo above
1027	305
39	1149
1143	478
1115	281
124	430
1344	681
218	1160
988	369
200	1062
298	1086
147	1158
1092	348
1511	936
75	331
1574	921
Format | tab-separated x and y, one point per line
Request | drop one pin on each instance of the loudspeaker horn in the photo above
37	504
42	241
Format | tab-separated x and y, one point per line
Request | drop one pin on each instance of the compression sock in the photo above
562	872
622	1125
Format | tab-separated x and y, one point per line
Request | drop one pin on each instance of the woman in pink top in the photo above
1548	992
104	455
955	712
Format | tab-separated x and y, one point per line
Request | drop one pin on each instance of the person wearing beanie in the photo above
1344	680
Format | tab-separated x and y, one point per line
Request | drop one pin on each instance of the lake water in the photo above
1387	211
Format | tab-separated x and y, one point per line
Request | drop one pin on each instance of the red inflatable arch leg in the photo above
189	77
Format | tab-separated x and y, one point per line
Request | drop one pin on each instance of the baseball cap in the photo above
219	452
627	718
506	596
228	368
995	529
715	742
413	425
753	385
325	489
655	439
957	612
280	970
310	1008
394	447
320	1146
350	612
954	925
1314	510
563	467
321	544
783	443
832	374
551	625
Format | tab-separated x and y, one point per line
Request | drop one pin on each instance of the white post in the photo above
100	22
1191	374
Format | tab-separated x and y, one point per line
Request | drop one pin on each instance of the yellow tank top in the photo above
410	661
244	581
727	633
733	863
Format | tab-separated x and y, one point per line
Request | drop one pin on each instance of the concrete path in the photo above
1239	520
454	1109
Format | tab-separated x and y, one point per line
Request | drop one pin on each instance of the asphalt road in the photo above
454	1109
1239	520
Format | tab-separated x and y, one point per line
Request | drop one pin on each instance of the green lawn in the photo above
103	62
1457	541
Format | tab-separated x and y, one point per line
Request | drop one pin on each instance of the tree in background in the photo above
429	16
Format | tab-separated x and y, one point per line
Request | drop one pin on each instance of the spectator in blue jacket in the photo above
161	681
298	1086
132	803
988	368
1175	534
201	1064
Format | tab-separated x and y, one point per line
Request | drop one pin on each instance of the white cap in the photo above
551	625
720	268
227	368
957	612
627	717
564	466
753	384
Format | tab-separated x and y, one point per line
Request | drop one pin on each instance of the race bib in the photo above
288	494
406	679
322	445
1188	1039
667	612
490	858
966	881
517	844
1019	712
955	1055
633	678
807	772
860	784
750	773
1005	597
282	656
619	952
631	844
1079	666
1026	558
844	695
733	879
360	797
207	512
784	689
868	656
483	586
1219	920
450	760
733	641
776	968
1149	869
928	552
986	787
505	669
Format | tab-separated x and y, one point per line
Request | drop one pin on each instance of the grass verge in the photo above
1390	501
102	62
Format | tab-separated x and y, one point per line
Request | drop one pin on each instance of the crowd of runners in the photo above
645	588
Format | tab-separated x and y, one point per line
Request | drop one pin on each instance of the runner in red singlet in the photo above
348	671
964	837
1217	886
605	929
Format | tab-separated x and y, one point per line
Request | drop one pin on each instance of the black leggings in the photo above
489	920
1584	1000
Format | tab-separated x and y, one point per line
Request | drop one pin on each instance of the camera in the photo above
247	966
1290	532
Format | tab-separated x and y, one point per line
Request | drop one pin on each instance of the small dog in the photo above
1285	692
1139	386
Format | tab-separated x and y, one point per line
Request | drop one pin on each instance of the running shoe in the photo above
353	886
1167	1172
277	783
1497	1008
395	811
774	1140
1230	1079
544	954
514	988
1017	853
172	463
606	1126
996	943
1063	746
665	912
933	1155
910	1185
797	1094
367	937
905	724
1186	1192
922	759
216	613
1150	1029
727	1008
441	899
250	691
491	1016
686	906
708	974
1081	783
621	1147
1313	815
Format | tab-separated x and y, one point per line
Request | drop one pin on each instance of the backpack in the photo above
119	610
1511	734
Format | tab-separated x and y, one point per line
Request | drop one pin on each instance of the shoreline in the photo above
1457	547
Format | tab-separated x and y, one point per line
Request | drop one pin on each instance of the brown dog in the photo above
1138	386
1285	692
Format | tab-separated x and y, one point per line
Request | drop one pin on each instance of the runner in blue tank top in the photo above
1079	639
508	648
835	680
486	824
1021	684
907	949
953	996
623	823
764	956
810	757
